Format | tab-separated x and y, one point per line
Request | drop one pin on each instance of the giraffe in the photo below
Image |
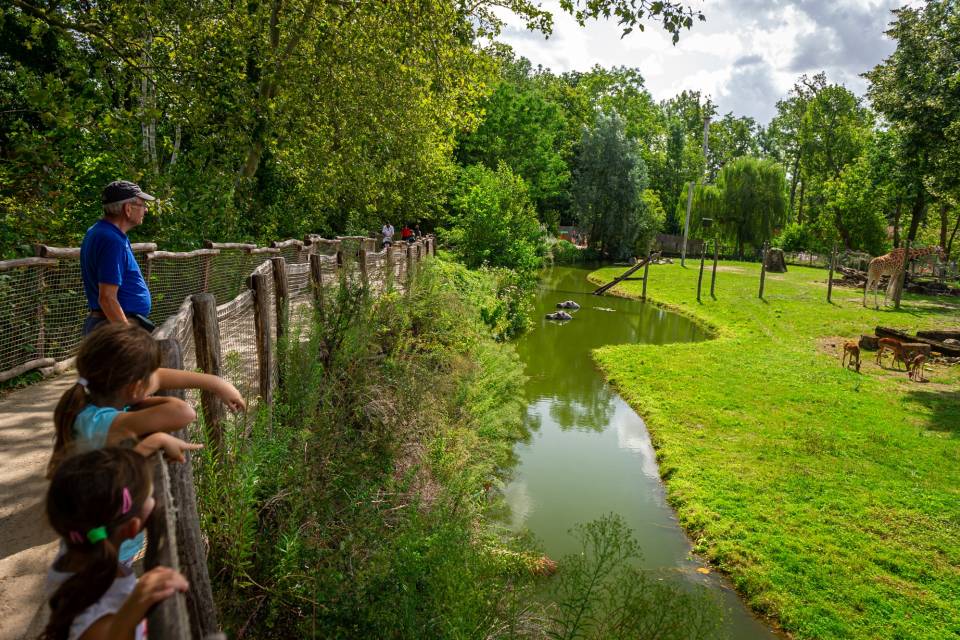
891	265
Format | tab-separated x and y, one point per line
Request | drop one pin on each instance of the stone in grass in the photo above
775	261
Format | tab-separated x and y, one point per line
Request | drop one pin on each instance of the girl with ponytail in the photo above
95	501
119	370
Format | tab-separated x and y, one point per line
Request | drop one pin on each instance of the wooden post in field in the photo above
205	263
703	254
833	260
646	273
411	264
206	337
713	276
281	294
191	546
763	268
261	320
316	278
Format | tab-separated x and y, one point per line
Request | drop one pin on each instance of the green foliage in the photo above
354	512
754	200
852	211
609	180
492	221
526	130
797	237
602	595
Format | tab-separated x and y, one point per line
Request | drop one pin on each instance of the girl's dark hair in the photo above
111	357
87	492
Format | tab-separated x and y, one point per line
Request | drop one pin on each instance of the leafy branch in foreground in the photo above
600	593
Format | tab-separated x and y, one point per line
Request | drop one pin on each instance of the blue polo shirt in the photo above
106	256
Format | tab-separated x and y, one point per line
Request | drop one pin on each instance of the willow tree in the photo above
754	201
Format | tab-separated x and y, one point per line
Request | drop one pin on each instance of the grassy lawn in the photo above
831	498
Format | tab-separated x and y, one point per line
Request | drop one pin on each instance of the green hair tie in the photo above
97	534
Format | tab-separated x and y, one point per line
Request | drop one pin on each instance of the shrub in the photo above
492	221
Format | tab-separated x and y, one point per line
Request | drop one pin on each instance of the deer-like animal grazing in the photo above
891	265
891	344
851	349
915	368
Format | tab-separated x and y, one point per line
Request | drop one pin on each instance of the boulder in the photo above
775	262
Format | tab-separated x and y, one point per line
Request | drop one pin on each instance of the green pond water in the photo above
589	453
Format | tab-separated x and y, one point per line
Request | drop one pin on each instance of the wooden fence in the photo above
265	292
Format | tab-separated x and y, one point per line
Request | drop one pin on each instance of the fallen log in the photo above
869	343
935	345
940	335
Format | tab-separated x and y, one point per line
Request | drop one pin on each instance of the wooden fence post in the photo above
206	338
713	276
646	273
190	542
833	260
261	321
763	268
281	294
388	281
362	262
169	619
316	277
411	263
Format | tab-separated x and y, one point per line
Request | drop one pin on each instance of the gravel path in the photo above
27	545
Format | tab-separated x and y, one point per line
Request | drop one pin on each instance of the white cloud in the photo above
747	55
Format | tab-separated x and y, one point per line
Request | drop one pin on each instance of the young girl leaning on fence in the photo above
95	501
111	403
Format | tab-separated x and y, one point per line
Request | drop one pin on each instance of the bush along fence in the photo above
267	292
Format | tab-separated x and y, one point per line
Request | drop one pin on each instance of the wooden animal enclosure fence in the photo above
224	307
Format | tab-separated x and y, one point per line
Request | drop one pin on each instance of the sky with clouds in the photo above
746	56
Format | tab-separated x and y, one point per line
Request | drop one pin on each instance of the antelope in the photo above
915	368
893	345
851	349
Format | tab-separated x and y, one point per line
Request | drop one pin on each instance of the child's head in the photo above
114	364
95	501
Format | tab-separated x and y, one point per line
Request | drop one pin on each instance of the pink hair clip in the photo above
127	502
75	537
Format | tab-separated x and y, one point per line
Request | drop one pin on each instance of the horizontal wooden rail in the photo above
6	265
184	255
210	244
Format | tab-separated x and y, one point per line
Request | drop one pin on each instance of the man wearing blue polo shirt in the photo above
112	281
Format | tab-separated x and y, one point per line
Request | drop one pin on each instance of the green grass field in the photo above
831	498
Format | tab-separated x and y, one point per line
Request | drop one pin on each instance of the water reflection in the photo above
589	453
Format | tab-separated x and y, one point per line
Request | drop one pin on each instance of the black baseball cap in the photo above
121	190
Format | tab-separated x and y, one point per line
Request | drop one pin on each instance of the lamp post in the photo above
705	224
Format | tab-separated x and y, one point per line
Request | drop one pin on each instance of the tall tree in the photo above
609	178
754	201
923	66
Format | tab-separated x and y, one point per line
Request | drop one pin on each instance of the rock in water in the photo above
775	261
568	304
559	315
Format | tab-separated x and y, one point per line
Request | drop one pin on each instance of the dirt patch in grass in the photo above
728	269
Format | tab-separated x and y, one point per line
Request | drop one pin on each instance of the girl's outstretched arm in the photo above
173	448
158	414
179	379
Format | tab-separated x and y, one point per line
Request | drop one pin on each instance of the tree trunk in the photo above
917	213
898	212
794	178
800	209
947	249
943	224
